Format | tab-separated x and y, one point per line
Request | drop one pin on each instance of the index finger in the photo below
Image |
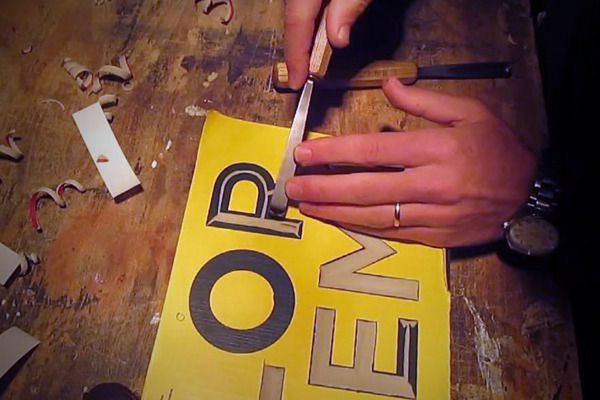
409	149
300	20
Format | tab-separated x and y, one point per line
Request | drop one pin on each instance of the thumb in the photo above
341	15
434	106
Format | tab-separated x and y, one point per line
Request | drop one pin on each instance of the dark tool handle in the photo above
321	52
482	70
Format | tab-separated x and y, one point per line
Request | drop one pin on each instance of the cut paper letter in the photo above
14	345
100	141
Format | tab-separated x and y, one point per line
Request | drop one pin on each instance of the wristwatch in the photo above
532	233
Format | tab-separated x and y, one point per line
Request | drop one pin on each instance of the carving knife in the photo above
319	61
373	75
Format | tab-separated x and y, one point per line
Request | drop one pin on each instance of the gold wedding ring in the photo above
397	215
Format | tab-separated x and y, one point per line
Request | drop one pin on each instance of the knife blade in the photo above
319	61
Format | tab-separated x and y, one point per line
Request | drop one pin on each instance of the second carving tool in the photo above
376	73
319	60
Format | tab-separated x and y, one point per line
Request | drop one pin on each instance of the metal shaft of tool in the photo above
279	200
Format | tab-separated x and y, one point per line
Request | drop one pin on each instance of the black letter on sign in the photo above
242	340
220	216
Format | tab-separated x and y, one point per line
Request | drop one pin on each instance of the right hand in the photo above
300	22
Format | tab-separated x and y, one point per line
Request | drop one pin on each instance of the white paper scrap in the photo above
14	345
100	140
9	262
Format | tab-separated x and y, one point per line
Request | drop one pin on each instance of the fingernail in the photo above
305	208
344	34
293	190
389	80
294	85
302	154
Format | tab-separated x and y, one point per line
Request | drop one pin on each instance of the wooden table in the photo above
106	266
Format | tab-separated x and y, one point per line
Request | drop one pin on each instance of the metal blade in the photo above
279	200
483	70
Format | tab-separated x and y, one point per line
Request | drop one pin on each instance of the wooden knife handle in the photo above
321	52
371	76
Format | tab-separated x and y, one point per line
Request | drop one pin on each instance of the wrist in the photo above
531	236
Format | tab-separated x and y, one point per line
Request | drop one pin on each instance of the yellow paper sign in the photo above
267	309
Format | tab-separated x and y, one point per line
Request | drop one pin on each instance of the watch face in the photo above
532	235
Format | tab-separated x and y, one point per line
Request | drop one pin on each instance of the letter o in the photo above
242	340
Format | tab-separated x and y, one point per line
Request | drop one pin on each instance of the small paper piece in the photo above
14	345
9	262
100	141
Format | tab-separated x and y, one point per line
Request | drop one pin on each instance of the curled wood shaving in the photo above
80	73
34	202
106	101
109	117
12	150
127	86
86	79
121	72
69	183
27	50
28	260
55	195
54	101
96	85
212	4
102	159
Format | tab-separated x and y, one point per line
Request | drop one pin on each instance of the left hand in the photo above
461	181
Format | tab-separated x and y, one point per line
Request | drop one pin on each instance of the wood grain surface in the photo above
105	266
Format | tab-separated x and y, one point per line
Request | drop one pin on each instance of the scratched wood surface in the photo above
106	266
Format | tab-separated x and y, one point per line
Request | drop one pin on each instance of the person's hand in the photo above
460	184
300	20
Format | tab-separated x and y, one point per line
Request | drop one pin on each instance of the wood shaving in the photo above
12	150
28	260
195	111
169	144
55	195
154	164
69	183
106	101
122	72
212	76
102	159
511	40
212	4
82	75
27	50
54	101
34	204
96	85
127	86
155	319
86	79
